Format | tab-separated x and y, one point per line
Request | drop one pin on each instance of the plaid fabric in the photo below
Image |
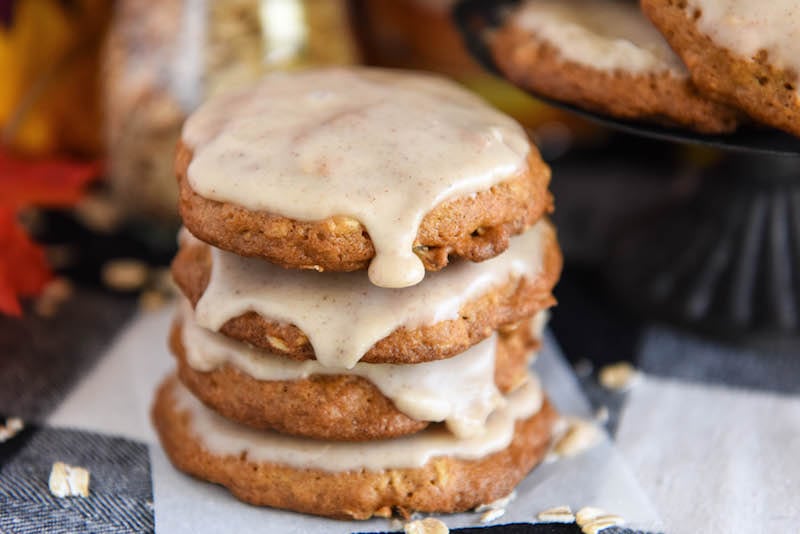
707	425
121	492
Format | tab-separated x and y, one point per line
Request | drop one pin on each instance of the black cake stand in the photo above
725	261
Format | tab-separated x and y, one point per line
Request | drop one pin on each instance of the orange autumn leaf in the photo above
49	59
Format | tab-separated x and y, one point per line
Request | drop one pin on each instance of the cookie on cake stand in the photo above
724	261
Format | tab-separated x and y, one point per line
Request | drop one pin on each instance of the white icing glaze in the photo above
459	390
223	437
601	35
747	27
382	147
343	314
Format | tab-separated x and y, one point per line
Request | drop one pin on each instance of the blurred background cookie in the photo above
606	57
744	53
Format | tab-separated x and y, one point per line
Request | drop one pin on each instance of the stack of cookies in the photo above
707	65
366	264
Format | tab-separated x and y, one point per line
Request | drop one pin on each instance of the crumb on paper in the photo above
13	426
428	525
580	436
619	376
125	274
68	481
395	524
502	502
593	520
490	515
558	514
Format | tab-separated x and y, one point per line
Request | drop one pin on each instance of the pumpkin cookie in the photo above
344	169
301	315
741	52
430	471
372	401
606	57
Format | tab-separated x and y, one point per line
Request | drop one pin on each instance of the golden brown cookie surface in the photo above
767	93
444	484
506	304
659	96
330	407
476	227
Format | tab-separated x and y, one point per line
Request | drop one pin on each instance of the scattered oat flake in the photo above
54	294
125	274
12	427
587	514
69	481
428	525
619	376
601	523
580	436
559	514
99	212
502	502
493	514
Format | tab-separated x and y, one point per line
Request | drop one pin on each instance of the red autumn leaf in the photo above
49	183
23	268
46	182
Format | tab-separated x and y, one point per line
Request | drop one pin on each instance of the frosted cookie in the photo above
742	52
604	56
344	169
431	471
342	318
370	401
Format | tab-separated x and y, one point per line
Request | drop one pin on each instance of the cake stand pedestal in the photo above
725	261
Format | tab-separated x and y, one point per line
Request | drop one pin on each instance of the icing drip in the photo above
343	314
